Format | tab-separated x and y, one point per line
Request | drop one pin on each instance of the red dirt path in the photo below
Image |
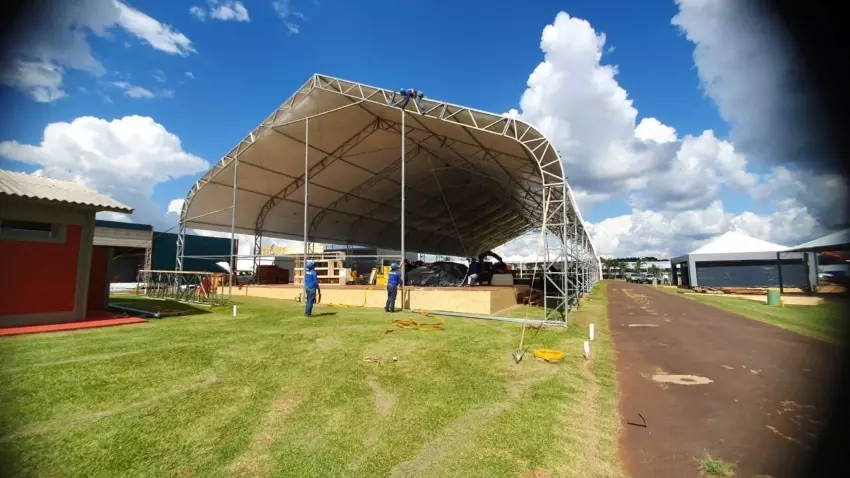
762	411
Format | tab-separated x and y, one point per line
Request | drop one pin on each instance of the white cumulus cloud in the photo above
754	77
673	184
175	206
125	158
56	39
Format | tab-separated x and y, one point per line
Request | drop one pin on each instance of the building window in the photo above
31	231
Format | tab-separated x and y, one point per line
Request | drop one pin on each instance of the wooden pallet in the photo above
329	268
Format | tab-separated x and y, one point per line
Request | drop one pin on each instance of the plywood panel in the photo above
464	301
502	299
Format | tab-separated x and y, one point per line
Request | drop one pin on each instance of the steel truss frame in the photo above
571	264
193	287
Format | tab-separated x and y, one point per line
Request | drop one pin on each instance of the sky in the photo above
676	120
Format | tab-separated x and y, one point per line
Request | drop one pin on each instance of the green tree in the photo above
638	265
654	270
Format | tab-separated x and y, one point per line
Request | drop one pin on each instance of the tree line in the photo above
619	265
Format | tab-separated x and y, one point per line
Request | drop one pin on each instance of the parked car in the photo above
632	277
244	277
647	279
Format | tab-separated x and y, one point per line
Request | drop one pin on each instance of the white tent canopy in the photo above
341	162
735	242
734	246
474	180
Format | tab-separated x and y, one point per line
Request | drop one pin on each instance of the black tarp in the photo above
750	274
438	274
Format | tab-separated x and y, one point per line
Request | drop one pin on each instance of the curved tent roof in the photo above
474	179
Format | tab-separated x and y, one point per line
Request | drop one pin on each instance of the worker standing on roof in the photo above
393	281
311	288
408	94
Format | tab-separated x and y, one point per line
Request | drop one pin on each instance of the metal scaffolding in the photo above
497	171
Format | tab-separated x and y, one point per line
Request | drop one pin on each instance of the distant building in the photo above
737	260
277	250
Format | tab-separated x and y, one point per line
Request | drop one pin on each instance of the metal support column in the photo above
181	240
564	241
576	259
306	183
565	268
258	251
401	265
584	264
233	251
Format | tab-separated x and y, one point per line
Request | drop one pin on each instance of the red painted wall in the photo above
39	277
98	282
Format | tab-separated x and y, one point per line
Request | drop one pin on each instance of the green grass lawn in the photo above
271	393
825	322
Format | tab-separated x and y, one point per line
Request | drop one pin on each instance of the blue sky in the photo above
474	53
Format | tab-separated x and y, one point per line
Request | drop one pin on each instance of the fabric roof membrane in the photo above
474	179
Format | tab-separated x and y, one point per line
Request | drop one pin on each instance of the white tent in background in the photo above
737	260
737	243
517	259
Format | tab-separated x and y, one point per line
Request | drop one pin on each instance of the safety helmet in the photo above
393	266
311	264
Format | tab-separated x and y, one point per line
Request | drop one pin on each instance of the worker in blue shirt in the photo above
311	288
393	281
474	268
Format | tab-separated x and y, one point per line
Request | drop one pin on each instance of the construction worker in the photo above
408	94
393	281
311	288
474	268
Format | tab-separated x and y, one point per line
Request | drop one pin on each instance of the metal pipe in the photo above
233	249
546	263
497	318
135	311
575	246
564	246
401	265
306	182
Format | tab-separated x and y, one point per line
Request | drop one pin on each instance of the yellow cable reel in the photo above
549	355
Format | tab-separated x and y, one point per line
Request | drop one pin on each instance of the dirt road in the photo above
709	380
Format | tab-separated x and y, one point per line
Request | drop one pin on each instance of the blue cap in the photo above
311	264
393	266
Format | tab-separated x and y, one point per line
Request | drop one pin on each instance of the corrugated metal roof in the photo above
49	189
838	240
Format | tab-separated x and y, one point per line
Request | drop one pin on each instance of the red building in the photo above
50	272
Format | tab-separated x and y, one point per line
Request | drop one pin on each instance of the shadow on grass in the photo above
164	308
322	314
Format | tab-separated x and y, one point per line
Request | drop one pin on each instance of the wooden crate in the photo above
329	268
